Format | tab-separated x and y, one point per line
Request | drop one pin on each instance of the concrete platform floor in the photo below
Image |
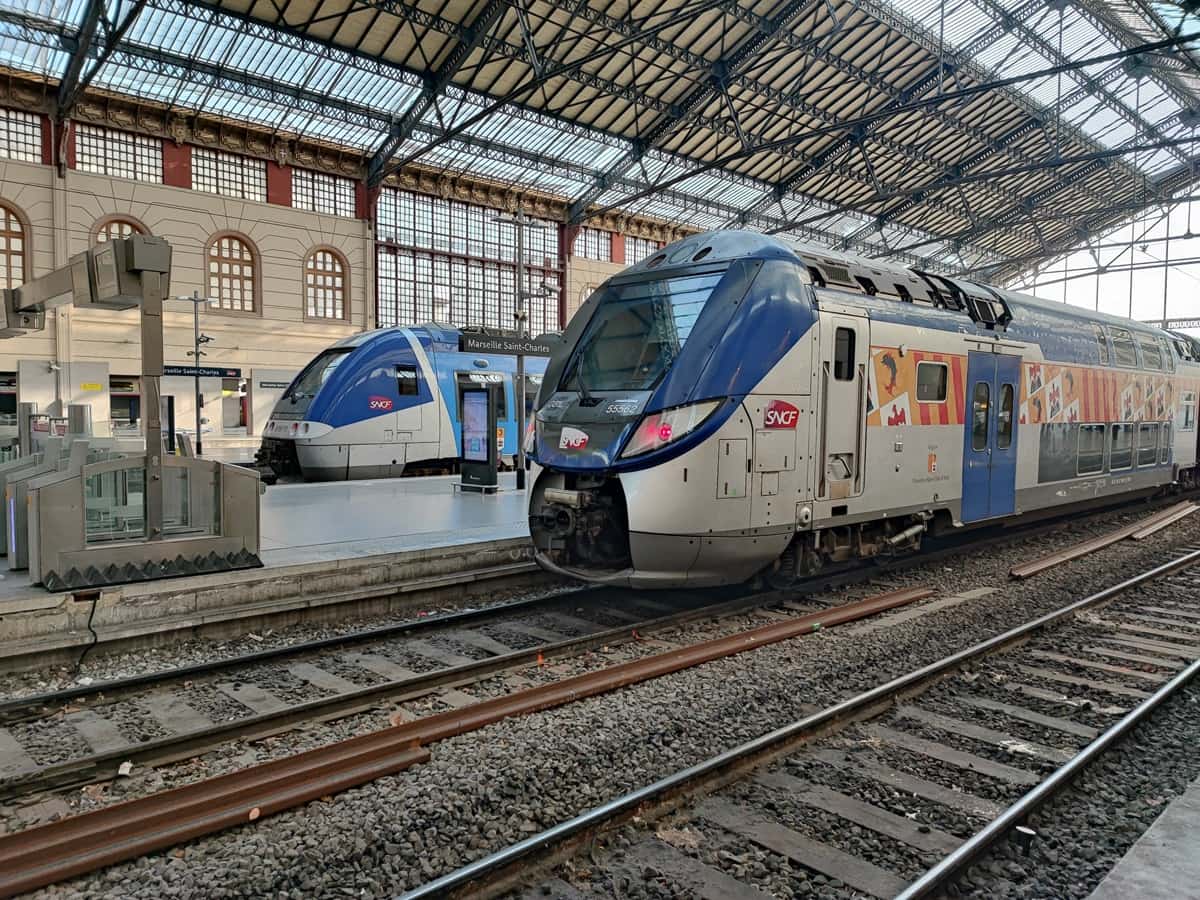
339	521
304	523
1164	863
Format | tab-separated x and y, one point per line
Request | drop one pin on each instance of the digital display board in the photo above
475	425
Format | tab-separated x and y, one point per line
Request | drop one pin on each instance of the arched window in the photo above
14	248
117	227
232	274
325	284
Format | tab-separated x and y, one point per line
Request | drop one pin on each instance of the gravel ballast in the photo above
486	789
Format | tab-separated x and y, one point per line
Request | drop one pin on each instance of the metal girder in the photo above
469	41
870	118
153	60
694	99
1050	52
1099	16
1108	215
795	100
931	78
68	85
79	73
975	178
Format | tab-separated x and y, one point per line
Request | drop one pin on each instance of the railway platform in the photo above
1163	864
324	545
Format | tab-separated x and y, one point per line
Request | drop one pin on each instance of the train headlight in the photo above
661	428
529	434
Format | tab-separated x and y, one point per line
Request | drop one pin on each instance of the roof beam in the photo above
889	111
82	67
977	177
468	42
694	100
1050	52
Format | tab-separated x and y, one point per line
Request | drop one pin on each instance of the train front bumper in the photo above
586	527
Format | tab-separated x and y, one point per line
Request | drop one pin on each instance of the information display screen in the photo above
475	426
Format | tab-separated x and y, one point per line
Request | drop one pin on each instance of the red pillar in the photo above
618	247
177	164
47	141
279	184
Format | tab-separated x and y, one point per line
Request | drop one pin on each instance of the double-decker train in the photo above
738	404
384	402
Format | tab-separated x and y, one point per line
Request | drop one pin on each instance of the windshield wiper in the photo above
584	391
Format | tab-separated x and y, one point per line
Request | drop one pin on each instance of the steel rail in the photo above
954	864
174	747
1075	551
27	707
104	765
48	853
21	708
497	865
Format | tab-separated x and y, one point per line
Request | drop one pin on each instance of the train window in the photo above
638	330
1167	355
1121	454
1147	453
1091	449
1102	344
1187	411
1164	446
1123	348
1151	356
979	415
843	354
1004	418
931	382
406	381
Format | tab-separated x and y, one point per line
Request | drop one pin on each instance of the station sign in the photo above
507	346
273	385
203	371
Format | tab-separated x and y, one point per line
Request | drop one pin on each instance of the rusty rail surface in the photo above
49	853
506	870
1058	557
1146	530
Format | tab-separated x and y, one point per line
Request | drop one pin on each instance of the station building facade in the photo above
283	243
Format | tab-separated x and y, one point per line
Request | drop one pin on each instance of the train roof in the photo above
986	304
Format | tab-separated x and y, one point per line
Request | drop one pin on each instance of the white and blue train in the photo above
738	404
385	403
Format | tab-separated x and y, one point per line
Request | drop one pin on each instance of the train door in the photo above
410	411
989	479
846	346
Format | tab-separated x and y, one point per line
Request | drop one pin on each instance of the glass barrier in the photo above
191	500
115	506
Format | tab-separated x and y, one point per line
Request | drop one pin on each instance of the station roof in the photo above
955	134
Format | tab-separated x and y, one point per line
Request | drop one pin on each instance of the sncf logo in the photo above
572	439
781	414
379	404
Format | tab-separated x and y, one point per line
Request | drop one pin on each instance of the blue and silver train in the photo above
387	403
740	404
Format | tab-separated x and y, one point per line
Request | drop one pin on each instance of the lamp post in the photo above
520	221
196	353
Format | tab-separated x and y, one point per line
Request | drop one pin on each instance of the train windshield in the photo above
309	381
637	332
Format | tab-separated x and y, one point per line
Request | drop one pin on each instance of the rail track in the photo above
895	791
285	783
85	734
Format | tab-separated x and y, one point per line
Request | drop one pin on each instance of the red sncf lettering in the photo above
379	403
781	414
